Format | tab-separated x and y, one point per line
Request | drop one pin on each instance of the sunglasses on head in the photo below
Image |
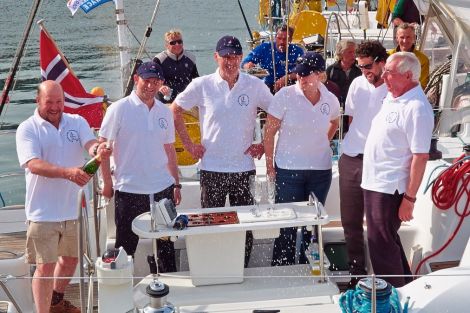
368	66
174	42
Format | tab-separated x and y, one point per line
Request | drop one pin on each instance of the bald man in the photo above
50	148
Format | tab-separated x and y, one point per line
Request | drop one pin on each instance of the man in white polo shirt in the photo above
227	102
364	100
395	157
50	147
142	131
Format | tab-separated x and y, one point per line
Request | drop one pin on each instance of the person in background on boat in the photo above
142	131
306	115
395	157
228	101
50	147
406	38
343	71
363	102
405	11
262	56
178	64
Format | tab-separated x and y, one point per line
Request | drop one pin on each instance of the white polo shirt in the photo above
139	135
402	127
363	102
227	118
303	142
52	199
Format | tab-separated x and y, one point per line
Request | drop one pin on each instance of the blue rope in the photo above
359	301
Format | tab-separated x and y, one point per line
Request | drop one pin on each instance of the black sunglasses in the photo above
174	42
368	66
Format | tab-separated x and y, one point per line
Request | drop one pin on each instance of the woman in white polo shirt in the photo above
307	117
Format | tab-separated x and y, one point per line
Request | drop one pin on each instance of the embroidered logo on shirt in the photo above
243	100
391	117
72	135
163	123
325	109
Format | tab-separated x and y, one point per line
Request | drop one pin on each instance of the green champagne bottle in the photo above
92	166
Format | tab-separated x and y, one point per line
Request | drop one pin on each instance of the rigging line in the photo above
19	53
130	82
138	41
246	22
17	78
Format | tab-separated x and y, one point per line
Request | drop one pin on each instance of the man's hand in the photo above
177	195
255	150
104	151
281	82
196	150
165	90
248	65
405	212
77	176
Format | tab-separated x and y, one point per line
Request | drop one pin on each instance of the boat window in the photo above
436	45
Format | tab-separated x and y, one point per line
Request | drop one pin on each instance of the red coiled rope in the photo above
446	193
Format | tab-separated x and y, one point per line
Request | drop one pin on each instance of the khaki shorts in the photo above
46	241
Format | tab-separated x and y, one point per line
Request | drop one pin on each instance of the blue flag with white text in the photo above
85	5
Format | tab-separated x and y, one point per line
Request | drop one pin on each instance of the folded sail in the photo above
77	100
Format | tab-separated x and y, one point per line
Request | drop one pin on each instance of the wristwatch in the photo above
409	198
178	186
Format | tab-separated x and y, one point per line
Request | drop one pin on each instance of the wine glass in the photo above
255	190
271	188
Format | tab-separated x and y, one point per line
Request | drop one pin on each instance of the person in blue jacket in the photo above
262	56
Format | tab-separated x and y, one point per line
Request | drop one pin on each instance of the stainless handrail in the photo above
83	229
4	279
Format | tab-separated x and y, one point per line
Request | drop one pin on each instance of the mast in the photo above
123	44
18	55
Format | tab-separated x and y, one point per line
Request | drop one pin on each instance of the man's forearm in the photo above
417	168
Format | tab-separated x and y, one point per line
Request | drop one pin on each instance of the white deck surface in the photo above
262	288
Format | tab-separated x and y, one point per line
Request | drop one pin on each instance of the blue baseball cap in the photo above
309	63
229	45
150	70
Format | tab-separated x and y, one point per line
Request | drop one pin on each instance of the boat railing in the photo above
84	250
3	280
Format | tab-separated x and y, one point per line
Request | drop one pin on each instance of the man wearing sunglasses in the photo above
363	101
262	56
179	66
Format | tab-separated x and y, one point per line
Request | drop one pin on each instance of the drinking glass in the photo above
256	192
271	188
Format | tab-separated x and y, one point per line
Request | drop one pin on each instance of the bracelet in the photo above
95	149
409	198
178	186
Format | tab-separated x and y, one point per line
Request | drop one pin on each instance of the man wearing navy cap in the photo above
142	131
228	101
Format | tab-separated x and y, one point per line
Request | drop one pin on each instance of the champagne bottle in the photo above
92	166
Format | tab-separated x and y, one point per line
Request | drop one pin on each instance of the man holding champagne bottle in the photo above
142	131
50	148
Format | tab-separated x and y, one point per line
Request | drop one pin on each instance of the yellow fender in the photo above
306	24
192	125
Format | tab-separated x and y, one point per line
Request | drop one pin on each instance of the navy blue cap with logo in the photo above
309	63
229	45
150	70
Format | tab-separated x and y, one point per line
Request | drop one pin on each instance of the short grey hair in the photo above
407	61
343	45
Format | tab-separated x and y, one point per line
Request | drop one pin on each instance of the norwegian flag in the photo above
77	100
